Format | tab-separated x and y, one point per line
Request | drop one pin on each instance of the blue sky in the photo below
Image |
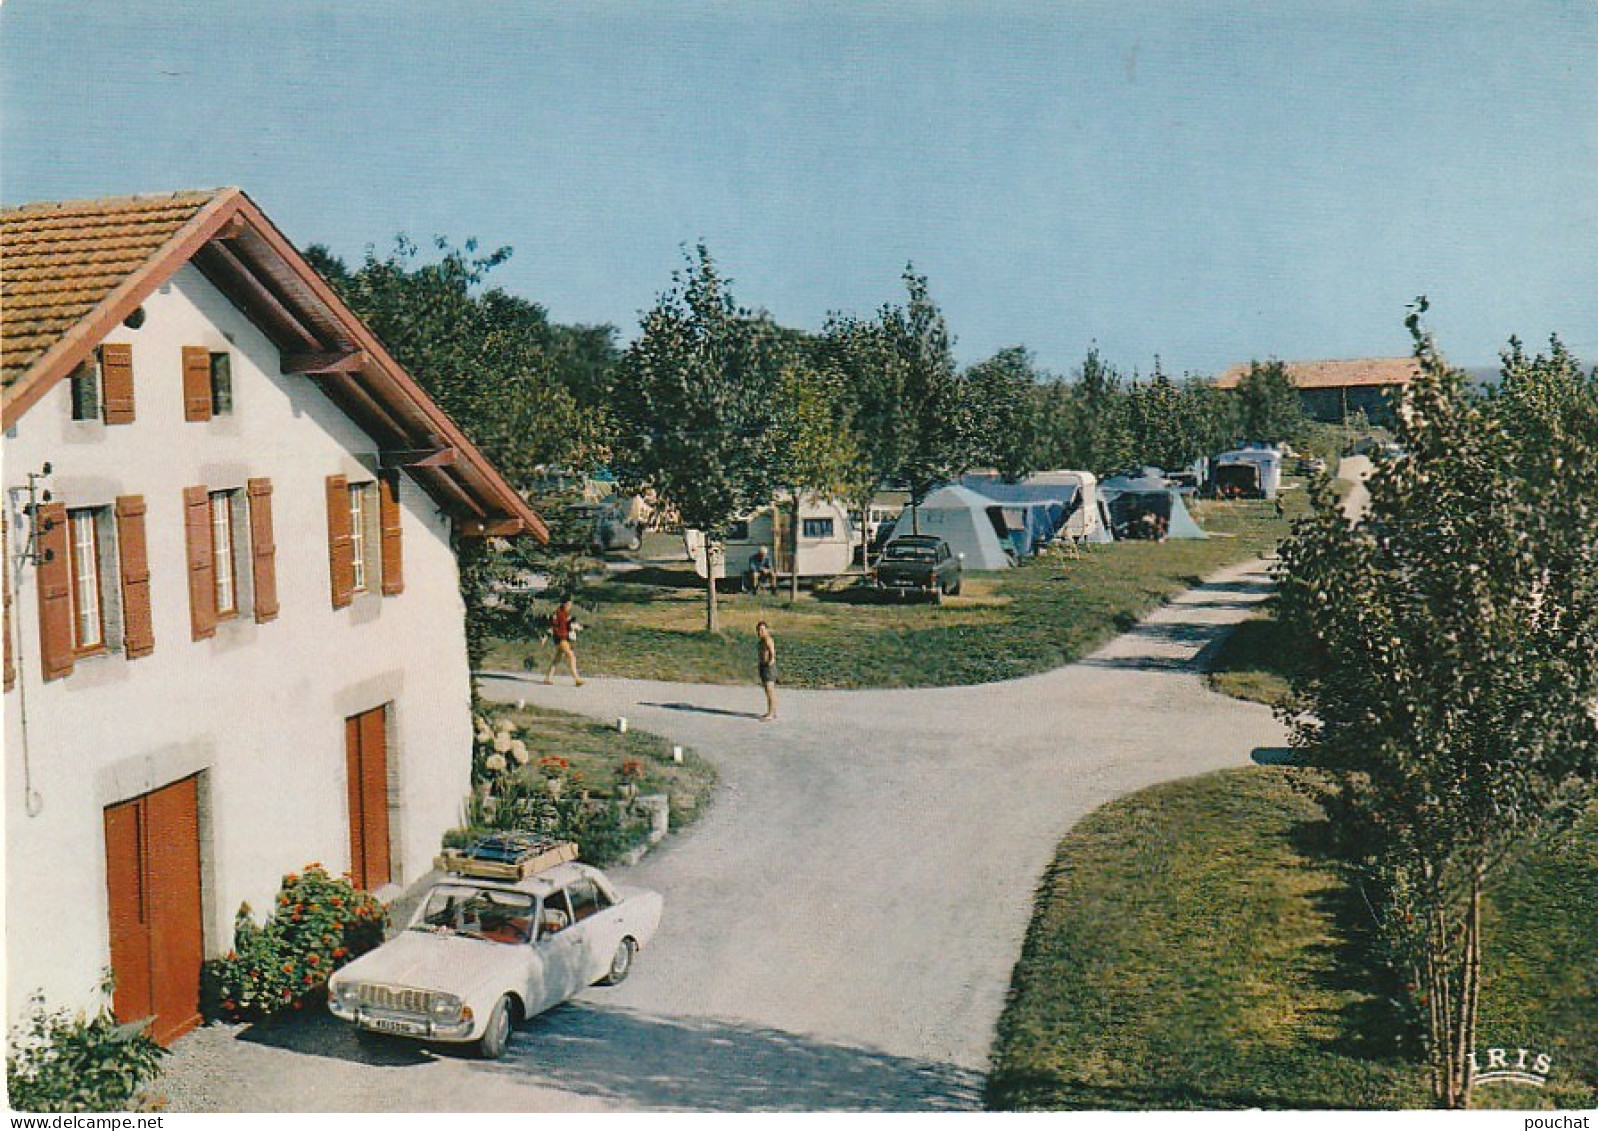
1206	181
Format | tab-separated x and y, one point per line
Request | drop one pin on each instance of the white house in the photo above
234	633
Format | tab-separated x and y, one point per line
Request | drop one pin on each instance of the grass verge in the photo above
1193	948
1255	661
1050	611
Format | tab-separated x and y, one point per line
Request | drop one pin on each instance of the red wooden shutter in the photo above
55	591
116	382
202	561
340	550
263	551
5	584
388	510
138	632
196	383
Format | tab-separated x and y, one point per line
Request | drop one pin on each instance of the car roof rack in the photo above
507	856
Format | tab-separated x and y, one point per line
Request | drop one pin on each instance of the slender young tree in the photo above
1005	413
696	400
1452	682
817	455
931	418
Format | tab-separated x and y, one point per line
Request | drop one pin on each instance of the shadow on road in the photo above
640	1061
699	710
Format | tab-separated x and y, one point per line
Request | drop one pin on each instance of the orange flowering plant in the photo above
318	924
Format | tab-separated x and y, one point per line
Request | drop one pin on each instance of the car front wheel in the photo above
496	1038
621	963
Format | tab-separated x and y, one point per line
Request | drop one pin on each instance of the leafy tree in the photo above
696	402
1453	672
1268	404
1101	440
934	432
494	362
817	452
1005	413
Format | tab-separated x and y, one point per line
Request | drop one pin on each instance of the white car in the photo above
481	954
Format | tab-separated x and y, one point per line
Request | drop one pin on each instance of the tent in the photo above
1249	472
972	524
1144	505
1082	520
1033	515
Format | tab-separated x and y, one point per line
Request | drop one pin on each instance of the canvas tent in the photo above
1033	515
1082	518
1254	473
1144	505
970	523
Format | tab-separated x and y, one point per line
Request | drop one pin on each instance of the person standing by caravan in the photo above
767	657
564	630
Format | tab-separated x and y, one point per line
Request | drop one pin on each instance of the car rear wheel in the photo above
955	592
621	963
496	1038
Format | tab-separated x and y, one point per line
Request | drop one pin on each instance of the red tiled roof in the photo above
71	272
1379	371
60	261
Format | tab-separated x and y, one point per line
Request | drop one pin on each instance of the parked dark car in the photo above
920	564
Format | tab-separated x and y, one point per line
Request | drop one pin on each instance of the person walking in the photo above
768	669
564	630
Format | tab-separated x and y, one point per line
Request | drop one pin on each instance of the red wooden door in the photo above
366	755
152	849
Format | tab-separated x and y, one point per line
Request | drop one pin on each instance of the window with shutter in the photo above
340	557
263	551
88	596
196	383
389	523
116	382
224	549
202	565
138	631
85	388
55	591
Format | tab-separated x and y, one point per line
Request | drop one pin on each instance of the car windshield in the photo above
491	914
900	552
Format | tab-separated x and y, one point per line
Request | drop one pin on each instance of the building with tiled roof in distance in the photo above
1333	391
234	635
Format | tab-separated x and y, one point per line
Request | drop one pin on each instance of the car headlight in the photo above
445	1007
348	994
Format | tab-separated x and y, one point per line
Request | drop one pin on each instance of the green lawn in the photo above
1254	662
1050	611
1193	948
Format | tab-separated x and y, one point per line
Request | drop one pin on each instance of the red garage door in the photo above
152	854
366	756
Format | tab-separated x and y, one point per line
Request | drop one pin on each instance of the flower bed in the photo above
319	924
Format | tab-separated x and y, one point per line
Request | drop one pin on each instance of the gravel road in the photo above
840	929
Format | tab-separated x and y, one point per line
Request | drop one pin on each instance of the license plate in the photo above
390	1025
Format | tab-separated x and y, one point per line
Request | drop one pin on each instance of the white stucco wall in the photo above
259	709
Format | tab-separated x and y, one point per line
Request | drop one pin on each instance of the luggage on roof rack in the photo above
507	856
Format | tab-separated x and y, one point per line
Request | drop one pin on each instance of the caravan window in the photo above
818	528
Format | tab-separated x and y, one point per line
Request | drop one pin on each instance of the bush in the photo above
318	925
58	1062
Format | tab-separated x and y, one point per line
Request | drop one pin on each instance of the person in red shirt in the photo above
564	630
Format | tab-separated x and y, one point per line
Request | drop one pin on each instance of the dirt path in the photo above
840	930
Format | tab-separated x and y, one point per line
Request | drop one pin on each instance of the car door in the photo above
598	919
562	957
